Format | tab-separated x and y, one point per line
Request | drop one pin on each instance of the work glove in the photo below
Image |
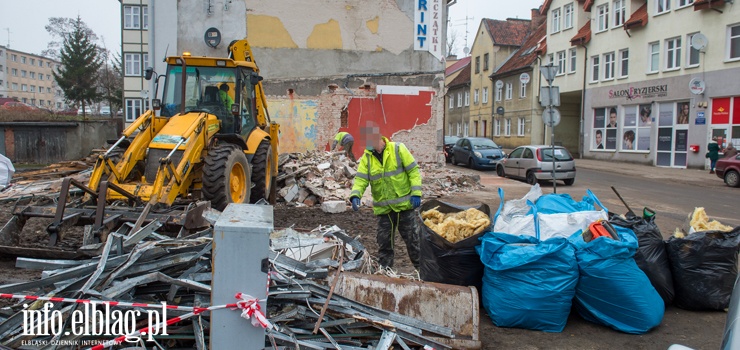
415	201
355	203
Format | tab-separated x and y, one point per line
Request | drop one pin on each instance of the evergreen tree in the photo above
81	63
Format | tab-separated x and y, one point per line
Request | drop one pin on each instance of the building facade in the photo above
135	56
517	112
28	78
457	113
660	78
494	43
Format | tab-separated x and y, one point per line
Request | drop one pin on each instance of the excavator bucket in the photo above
446	305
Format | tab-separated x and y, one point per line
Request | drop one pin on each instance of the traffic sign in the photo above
551	119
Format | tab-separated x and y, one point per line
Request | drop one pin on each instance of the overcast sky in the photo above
476	10
26	20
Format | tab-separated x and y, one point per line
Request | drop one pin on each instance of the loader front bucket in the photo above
446	305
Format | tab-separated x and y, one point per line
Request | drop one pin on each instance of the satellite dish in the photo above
699	41
466	51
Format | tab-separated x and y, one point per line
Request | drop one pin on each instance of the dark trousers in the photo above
348	150
405	223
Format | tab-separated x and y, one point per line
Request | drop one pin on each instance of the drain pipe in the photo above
583	100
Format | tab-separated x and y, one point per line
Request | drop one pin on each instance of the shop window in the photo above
605	129
636	125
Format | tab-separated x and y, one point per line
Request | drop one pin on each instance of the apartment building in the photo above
494	42
457	98
517	112
28	78
135	56
658	78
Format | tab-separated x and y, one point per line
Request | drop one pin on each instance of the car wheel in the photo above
470	163
732	178
452	160
531	179
569	182
500	171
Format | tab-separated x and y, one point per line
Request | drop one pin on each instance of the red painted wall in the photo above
393	113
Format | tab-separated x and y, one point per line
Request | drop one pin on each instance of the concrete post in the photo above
241	240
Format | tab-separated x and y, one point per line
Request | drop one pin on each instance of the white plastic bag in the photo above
6	171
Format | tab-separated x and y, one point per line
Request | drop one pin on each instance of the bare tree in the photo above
59	28
451	41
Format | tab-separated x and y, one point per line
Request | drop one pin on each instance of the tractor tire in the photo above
261	164
226	176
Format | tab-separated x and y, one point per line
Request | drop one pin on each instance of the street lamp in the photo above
548	72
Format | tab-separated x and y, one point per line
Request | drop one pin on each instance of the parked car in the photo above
105	111
449	142
534	163
477	153
728	169
88	111
18	106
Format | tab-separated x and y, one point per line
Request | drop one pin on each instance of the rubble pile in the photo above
315	177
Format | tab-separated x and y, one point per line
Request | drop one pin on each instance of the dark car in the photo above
534	163
729	170
449	142
477	153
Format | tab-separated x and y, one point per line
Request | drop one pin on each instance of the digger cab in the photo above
220	87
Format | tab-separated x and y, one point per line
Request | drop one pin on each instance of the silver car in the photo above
534	163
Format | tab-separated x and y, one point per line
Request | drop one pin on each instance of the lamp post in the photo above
548	72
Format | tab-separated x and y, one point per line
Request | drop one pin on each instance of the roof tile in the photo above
460	64
511	32
638	19
462	78
583	36
526	54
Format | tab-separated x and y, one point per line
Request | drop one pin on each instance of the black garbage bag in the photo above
445	262
704	266
651	256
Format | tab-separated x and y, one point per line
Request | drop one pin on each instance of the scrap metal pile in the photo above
140	269
316	177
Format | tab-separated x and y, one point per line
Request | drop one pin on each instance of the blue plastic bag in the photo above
564	203
527	283
612	290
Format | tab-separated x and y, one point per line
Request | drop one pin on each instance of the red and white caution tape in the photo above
249	306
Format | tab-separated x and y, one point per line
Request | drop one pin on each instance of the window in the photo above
609	66
48	90
33	88
522	90
499	90
624	57
41	76
497	127
673	53
485	95
485	61
605	129
619	12
520	127
477	64
133	109
41	63
33	75
507	127
23	59
602	17
452	101
568	18
459	99
733	42
48	77
133	64
15	86
145	60
1	83
41	102
476	96
573	61
24	87
682	3
663	5
33	61
23	74
465	129
654	61
636	126
48	64
467	98
509	90
692	59
561	63
555	21
131	17
145	17
14	71
594	69
551	58
14	58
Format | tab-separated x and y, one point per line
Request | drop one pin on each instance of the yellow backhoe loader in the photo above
208	139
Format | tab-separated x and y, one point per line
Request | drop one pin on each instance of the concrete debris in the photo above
329	177
334	207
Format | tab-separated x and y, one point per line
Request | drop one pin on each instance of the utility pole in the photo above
551	117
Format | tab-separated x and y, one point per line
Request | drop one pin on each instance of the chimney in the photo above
537	19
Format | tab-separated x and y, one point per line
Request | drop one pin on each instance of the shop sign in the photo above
700	118
640	92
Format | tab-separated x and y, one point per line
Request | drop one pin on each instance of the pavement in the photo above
687	176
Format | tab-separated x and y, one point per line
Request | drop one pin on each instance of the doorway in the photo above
673	134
